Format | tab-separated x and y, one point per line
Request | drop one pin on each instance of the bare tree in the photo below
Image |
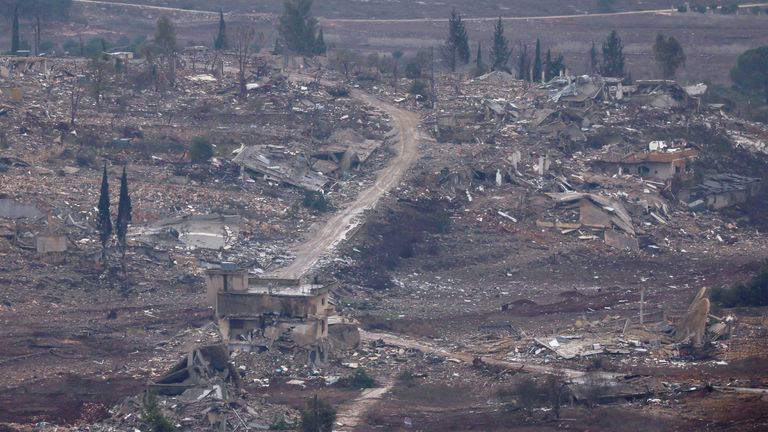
78	89
165	38
244	37
100	69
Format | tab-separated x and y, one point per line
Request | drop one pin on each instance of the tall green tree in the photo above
479	65
553	66
669	55
751	71
165	39
456	47
524	64
297	27
105	217
397	55
124	210
500	51
320	47
537	69
613	56
594	59
15	42
221	42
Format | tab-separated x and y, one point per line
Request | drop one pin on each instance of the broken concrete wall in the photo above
219	280
265	330
250	304
13	209
619	240
51	243
593	216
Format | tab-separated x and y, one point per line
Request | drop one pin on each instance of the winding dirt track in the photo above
215	15
323	240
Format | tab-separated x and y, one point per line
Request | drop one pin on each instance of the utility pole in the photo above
432	77
642	302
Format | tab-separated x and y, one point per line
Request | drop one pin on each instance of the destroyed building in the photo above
723	190
272	164
256	314
660	165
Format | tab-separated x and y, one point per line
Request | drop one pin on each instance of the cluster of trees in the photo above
455	51
35	10
298	30
122	221
669	55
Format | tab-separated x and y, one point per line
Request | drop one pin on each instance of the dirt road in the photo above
323	240
391	339
332	21
350	413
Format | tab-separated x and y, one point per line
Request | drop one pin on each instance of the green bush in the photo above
47	46
752	293
419	88
682	9
154	417
699	8
201	150
315	200
318	416
361	380
413	69
729	9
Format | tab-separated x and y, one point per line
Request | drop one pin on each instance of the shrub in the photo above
752	293
315	200
154	417
361	380
201	150
682	9
419	88
47	46
699	8
317	416
413	69
729	9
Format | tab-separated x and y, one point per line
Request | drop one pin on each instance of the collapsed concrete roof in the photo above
725	183
347	140
619	215
292	172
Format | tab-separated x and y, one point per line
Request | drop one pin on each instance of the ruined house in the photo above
280	167
256	314
660	165
346	149
595	212
723	190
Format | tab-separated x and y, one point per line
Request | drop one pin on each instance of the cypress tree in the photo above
613	56
537	63
320	47
594	61
479	60
15	32
105	218
124	210
500	52
523	64
222	41
548	66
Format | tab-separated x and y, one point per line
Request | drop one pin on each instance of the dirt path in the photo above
331	21
350	413
335	230
468	358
